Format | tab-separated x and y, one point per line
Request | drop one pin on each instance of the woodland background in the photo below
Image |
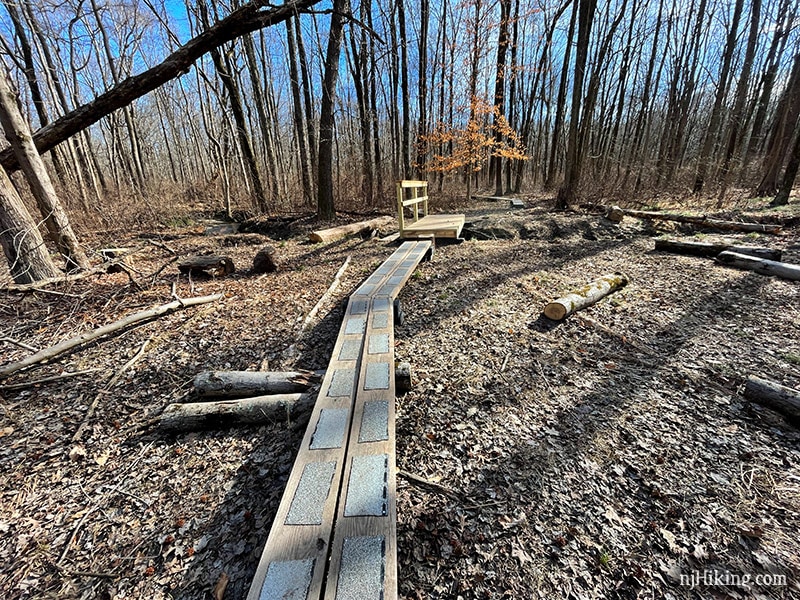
326	105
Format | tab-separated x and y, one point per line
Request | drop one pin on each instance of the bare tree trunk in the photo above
711	134
23	246
325	202
561	102
568	192
742	89
308	99
56	219
780	36
782	197
422	87
297	113
786	116
263	120
496	165
234	97
406	116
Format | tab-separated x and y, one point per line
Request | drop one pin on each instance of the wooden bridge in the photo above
413	195
334	535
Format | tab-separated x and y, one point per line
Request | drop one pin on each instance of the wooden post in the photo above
400	216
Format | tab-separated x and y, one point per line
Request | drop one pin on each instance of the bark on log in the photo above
760	265
773	395
590	294
245	20
192	416
713	250
237	384
703	221
336	233
615	214
215	266
266	260
85	338
403	378
233	384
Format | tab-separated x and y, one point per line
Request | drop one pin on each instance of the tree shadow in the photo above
436	535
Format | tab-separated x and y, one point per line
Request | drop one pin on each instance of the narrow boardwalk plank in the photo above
349	423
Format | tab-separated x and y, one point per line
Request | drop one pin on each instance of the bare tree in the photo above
18	135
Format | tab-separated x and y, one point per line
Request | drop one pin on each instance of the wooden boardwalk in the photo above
413	195
334	535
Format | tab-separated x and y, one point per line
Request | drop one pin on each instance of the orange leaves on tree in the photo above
471	146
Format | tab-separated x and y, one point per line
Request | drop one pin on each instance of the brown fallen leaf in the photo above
219	588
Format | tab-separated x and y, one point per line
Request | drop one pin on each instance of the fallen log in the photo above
712	250
702	221
780	398
615	214
227	413
213	265
89	336
598	289
241	384
403	378
337	233
233	384
760	265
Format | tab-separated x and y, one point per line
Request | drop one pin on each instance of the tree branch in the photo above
245	20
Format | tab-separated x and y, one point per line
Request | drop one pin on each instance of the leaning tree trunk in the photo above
247	19
19	136
28	259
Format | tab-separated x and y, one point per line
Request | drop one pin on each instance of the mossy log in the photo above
773	395
712	250
586	296
337	233
241	384
703	221
193	416
760	265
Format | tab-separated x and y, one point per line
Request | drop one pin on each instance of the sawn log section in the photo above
335	529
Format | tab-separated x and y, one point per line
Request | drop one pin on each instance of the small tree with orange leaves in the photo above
471	147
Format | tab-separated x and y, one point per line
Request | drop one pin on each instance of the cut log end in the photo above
555	311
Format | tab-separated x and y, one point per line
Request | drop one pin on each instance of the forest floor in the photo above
603	457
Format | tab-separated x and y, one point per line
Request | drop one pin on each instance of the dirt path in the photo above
605	456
